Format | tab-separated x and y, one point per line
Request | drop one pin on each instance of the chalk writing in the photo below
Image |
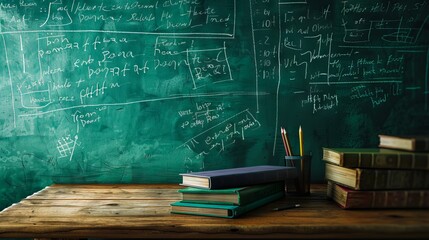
66	146
224	134
208	66
201	115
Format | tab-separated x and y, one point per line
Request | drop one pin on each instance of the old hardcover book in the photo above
376	158
236	196
416	143
222	210
352	199
377	179
238	177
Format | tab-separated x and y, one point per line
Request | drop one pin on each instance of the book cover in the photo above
238	177
352	199
377	179
222	210
376	158
236	196
415	143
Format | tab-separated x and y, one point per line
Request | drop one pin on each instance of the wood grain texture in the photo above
143	211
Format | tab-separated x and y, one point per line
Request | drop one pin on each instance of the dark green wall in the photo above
140	91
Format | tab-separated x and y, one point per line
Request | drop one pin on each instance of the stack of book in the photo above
232	192
393	175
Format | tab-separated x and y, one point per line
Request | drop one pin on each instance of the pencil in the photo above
286	207
284	141
301	153
289	150
287	142
301	142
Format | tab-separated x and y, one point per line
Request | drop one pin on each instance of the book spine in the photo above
351	199
258	203
376	179
250	196
421	145
391	199
386	160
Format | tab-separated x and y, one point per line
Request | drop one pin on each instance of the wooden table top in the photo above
143	211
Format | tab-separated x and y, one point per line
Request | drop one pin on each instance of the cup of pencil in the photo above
303	166
302	162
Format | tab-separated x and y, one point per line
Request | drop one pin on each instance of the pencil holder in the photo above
303	166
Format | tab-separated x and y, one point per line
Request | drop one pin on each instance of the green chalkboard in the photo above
139	91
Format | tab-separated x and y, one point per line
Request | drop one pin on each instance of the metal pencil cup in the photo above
303	166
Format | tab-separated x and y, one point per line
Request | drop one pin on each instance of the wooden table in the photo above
143	211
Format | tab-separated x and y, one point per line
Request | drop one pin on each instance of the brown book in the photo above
351	199
376	158
416	143
377	179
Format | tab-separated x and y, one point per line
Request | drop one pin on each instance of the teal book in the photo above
232	196
222	210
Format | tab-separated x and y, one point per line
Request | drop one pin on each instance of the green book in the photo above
222	210
377	179
235	196
376	158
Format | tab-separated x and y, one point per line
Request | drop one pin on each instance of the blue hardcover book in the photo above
238	177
